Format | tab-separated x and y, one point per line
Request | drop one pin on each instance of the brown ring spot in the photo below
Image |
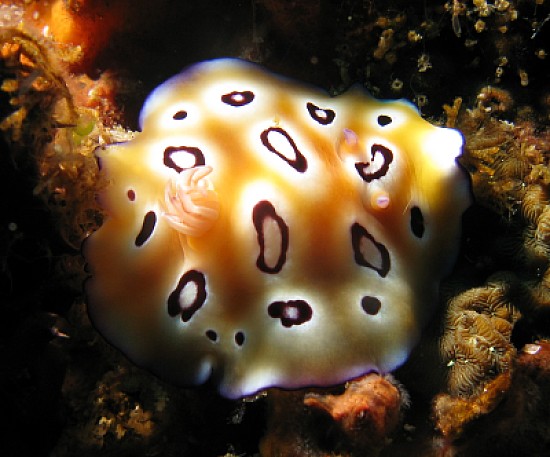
238	98
298	162
291	312
149	223
188	306
262	214
322	115
387	155
131	195
196	153
364	245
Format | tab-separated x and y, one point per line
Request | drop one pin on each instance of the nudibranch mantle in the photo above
261	233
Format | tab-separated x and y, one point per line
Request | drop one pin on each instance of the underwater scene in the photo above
274	228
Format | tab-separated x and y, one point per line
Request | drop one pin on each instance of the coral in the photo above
357	421
476	345
29	77
504	158
124	405
508	162
496	26
62	137
81	27
511	417
452	414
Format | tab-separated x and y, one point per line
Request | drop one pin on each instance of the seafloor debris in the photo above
357	421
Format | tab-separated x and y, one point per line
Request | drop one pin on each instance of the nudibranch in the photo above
261	233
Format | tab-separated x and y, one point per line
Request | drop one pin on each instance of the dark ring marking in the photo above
195	152
384	120
149	223
291	312
187	310
180	115
359	236
362	166
264	211
321	115
299	162
417	222
237	98
239	338
371	305
131	195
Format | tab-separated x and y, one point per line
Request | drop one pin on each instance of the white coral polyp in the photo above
191	204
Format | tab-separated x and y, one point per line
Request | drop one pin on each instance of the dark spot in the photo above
417	222
291	312
239	338
237	98
384	120
131	195
371	305
188	296
180	115
149	223
273	234
177	157
387	157
298	161
368	252
211	335
323	116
